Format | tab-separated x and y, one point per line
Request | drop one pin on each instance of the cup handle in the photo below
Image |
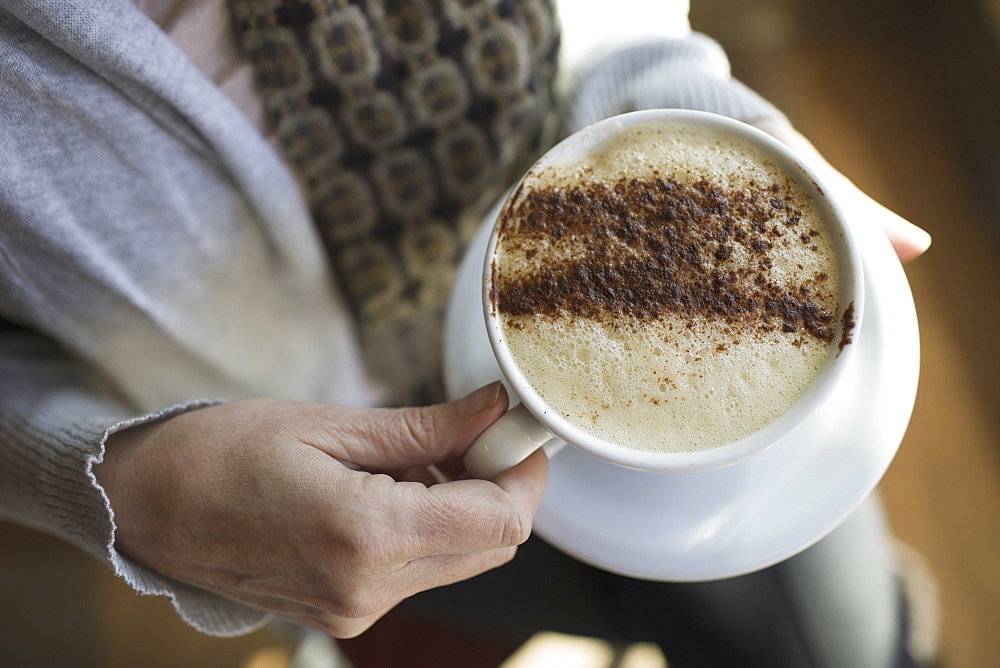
508	442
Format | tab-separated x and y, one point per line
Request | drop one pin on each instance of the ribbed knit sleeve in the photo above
690	72
155	250
55	417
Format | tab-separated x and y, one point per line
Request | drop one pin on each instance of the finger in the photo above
412	578
339	607
442	570
468	516
317	613
527	479
431	572
341	628
402	438
908	240
334	625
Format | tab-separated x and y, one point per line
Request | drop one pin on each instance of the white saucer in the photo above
704	526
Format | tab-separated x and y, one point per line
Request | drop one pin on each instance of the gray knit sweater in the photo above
156	254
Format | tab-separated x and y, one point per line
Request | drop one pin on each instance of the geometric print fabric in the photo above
405	119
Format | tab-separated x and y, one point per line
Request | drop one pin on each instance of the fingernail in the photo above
922	238
480	400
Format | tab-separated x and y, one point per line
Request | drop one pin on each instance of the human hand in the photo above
908	240
287	507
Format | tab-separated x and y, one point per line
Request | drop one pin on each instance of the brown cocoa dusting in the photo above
658	247
848	324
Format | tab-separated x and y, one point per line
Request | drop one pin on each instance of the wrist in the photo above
120	476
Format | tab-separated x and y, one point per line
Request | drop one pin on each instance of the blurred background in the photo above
904	98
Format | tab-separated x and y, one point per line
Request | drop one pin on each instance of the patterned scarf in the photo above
405	119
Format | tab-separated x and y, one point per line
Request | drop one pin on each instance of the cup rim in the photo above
819	391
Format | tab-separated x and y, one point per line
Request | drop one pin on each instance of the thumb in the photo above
396	438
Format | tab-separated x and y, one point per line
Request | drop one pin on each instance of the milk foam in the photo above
676	383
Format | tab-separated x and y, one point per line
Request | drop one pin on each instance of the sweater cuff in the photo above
51	486
687	73
209	613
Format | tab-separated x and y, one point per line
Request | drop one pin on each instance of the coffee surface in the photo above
674	290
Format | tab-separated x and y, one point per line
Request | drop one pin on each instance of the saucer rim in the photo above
887	295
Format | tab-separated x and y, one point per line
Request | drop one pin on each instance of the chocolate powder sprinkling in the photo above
658	247
849	323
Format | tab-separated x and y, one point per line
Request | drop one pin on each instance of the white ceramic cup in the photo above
532	424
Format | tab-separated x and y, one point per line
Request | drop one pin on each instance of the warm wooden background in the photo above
902	97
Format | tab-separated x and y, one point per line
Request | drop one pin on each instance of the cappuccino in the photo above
673	290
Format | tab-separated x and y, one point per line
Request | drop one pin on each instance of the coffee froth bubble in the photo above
673	290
